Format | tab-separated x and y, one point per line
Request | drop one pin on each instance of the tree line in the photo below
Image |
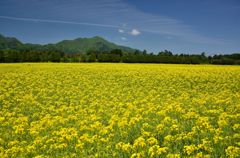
116	55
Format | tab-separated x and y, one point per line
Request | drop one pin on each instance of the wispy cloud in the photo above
123	38
121	31
58	21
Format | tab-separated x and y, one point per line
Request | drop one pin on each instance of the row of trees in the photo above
228	59
162	57
9	55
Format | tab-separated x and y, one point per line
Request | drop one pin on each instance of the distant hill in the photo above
9	42
84	44
79	45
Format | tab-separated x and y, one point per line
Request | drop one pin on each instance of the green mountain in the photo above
79	45
9	43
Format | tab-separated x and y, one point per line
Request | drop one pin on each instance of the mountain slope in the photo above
79	45
9	43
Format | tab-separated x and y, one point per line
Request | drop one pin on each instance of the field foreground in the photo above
119	110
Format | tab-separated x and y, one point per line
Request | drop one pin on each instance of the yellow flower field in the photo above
119	110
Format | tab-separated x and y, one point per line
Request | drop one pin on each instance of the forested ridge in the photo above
97	49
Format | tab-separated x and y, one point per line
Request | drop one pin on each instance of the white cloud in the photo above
135	32
123	38
121	31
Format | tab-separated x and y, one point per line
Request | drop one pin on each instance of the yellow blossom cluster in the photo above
119	110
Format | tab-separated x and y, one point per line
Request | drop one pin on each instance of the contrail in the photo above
74	23
59	21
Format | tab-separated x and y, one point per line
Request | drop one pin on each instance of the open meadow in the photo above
119	110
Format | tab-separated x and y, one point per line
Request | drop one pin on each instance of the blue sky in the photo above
182	26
